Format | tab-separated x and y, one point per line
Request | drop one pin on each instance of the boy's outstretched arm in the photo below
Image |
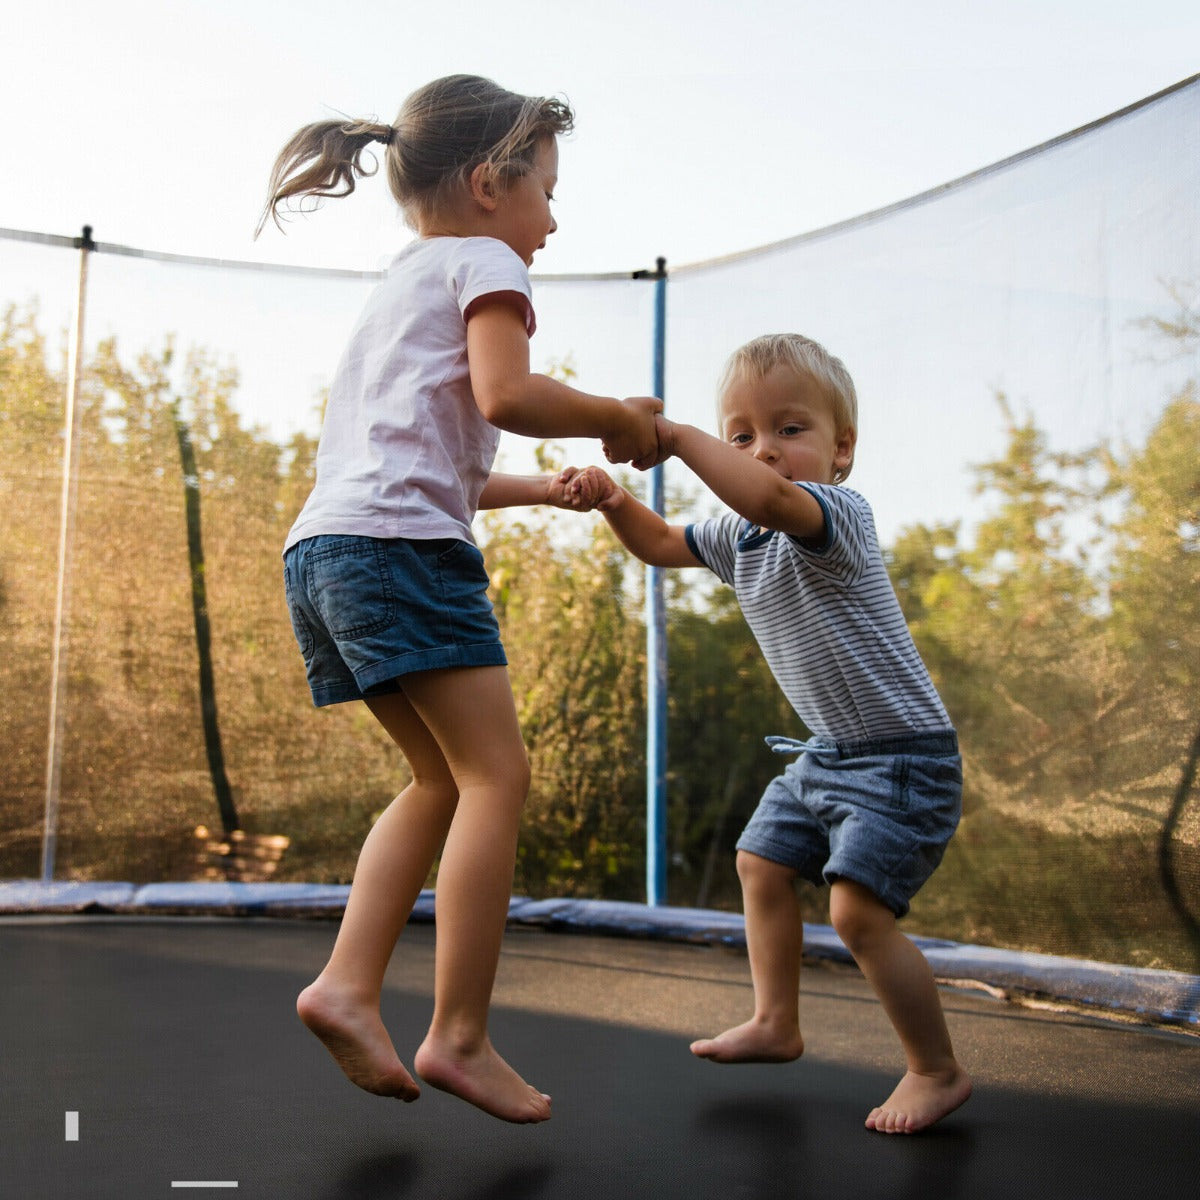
639	529
750	487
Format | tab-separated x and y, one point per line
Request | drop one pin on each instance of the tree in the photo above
1155	629
1010	622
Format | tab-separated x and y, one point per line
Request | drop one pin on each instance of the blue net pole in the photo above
656	646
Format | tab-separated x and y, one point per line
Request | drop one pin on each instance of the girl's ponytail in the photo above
322	159
443	130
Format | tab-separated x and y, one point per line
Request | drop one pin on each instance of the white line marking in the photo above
72	1127
204	1183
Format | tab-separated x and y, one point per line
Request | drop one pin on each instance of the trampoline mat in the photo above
175	1042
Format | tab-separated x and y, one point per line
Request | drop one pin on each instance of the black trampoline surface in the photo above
175	1042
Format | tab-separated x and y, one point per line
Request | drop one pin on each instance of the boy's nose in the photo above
765	451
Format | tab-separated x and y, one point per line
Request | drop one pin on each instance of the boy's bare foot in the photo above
919	1101
481	1077
753	1042
355	1035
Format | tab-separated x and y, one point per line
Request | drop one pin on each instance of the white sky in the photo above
704	127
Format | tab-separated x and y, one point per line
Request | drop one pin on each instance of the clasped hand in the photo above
637	441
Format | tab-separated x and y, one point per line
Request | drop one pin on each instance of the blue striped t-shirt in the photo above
827	620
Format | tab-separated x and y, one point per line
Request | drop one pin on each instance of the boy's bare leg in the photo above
934	1084
471	714
342	1005
774	941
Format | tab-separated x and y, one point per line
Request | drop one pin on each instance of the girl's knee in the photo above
524	775
501	768
509	777
514	775
435	789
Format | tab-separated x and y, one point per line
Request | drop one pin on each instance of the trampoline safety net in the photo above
1026	347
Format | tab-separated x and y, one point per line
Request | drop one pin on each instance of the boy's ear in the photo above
484	187
843	448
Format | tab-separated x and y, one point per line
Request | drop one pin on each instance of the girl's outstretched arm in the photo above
567	489
639	529
514	398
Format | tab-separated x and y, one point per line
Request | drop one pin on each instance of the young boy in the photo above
874	796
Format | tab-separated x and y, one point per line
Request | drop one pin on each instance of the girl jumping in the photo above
386	588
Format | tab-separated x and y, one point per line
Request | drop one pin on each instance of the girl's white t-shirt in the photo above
404	450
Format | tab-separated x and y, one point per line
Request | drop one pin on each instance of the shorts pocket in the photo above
351	587
449	550
933	791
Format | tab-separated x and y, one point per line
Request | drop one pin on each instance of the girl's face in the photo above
786	421
522	218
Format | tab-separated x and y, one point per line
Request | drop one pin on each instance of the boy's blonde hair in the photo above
443	131
801	355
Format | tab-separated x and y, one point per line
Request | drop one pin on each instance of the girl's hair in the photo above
443	131
802	356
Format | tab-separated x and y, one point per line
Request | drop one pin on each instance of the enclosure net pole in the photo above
62	598
656	646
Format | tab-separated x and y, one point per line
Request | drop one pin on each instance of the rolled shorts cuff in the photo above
816	872
325	694
881	885
807	867
373	679
485	654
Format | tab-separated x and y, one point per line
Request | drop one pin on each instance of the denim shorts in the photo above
878	812
366	611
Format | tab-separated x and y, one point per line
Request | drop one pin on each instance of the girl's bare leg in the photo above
342	1005
935	1084
472	716
774	941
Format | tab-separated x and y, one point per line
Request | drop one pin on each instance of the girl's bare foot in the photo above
481	1077
920	1100
353	1032
753	1042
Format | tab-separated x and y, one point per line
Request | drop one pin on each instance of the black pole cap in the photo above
660	271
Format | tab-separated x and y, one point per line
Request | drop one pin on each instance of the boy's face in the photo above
786	421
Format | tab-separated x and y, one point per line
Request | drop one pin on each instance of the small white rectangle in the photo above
204	1183
72	1127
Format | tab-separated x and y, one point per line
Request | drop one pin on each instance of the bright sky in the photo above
704	126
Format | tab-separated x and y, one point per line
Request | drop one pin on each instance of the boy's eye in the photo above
739	439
